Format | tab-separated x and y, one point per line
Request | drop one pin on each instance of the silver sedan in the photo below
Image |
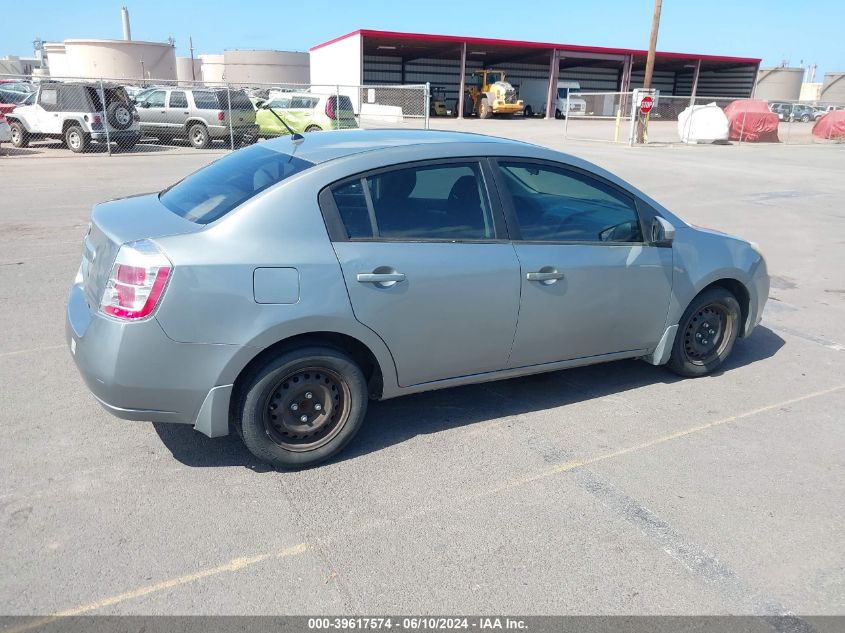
277	290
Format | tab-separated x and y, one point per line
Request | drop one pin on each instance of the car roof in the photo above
322	147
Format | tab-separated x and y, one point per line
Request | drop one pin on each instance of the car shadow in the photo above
398	420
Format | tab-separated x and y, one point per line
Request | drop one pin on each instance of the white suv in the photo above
75	113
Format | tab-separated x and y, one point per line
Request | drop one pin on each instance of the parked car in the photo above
75	114
279	288
201	115
13	94
783	110
803	113
305	112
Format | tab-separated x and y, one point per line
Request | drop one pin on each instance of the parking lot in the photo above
613	489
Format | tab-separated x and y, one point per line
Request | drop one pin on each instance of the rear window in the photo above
239	100
212	192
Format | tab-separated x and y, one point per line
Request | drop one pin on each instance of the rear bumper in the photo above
137	373
117	136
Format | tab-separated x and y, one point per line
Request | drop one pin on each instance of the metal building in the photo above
386	57
779	84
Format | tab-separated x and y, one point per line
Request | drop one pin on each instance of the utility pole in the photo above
649	62
191	46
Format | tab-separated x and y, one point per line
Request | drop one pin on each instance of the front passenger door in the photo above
591	284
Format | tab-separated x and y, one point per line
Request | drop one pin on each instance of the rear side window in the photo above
214	191
439	202
304	103
238	98
206	100
559	205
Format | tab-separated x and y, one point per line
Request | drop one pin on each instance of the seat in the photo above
464	208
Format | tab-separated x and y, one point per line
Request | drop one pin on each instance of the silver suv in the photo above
200	115
76	114
277	290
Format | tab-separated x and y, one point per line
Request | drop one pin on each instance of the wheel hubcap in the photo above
707	333
306	409
74	139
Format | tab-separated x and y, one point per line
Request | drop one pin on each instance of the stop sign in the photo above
646	104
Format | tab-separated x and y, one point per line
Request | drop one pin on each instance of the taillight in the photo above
330	108
137	281
221	116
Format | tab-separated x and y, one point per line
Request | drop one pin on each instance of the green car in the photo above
303	112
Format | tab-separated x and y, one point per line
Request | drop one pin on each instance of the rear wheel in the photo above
528	112
706	333
805	118
76	139
198	135
302	407
20	137
313	128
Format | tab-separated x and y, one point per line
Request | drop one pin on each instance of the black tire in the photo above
713	313
313	128
119	115
326	386
484	110
198	135
558	115
20	137
528	112
76	139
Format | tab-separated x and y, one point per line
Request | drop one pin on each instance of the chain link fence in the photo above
615	117
103	115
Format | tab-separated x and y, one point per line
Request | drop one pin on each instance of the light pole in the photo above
649	62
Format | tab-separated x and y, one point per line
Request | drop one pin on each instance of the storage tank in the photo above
183	69
212	68
266	67
120	59
56	60
833	88
779	84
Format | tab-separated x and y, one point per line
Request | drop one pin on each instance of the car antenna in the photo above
295	137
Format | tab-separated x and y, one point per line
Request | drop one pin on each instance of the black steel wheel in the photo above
306	409
301	407
706	333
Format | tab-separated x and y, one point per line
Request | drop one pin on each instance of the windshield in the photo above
212	192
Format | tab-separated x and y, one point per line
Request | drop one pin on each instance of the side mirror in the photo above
662	232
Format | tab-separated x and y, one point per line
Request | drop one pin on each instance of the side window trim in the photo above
510	211
337	229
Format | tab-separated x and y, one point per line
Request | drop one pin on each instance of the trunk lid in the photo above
118	222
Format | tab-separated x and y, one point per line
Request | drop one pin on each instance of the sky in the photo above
774	30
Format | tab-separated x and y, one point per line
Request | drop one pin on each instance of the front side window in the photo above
178	99
440	202
214	191
156	99
558	205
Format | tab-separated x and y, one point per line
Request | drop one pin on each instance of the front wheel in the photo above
706	333
302	407
313	128
528	112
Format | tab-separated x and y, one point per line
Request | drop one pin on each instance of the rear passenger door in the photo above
177	111
591	284
427	266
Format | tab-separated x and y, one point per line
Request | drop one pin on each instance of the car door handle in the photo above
544	276
380	278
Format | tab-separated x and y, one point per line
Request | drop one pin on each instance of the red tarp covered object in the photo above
751	120
831	126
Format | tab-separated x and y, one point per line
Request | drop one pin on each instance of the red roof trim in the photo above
428	37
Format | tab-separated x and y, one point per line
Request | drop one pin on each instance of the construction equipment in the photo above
488	93
437	105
